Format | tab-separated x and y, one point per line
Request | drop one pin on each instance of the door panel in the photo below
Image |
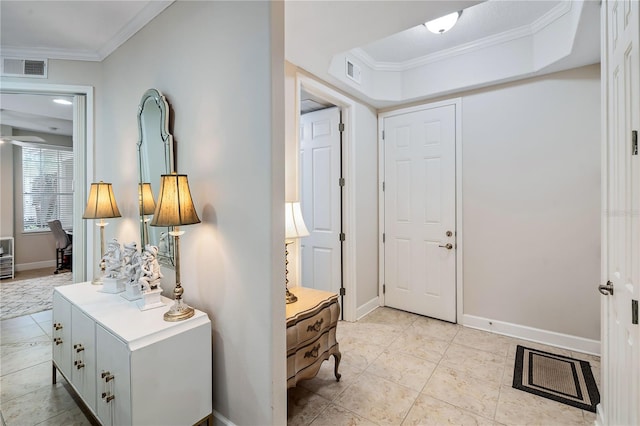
320	199
419	209
621	220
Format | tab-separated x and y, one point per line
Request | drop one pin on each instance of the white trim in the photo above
527	30
146	15
457	103
367	308
347	106
36	265
222	419
524	332
83	163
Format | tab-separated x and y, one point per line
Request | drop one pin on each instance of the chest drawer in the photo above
308	329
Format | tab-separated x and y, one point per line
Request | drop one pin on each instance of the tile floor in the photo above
397	368
403	369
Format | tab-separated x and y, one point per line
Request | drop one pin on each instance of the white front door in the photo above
620	403
320	199
419	212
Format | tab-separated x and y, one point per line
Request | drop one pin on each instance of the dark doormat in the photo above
556	377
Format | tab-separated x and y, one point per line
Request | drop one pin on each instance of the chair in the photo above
64	246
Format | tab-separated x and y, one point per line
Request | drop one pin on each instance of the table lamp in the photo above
175	208
147	207
295	228
101	205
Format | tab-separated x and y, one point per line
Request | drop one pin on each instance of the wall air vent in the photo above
18	67
353	71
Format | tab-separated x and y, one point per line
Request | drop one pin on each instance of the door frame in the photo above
346	106
83	142
457	103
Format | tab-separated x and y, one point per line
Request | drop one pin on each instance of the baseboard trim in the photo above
367	308
546	337
599	415
221	420
36	265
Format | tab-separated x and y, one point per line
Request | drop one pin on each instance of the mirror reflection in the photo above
155	158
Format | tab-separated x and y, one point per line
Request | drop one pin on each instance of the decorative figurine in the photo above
113	281
113	259
131	271
150	269
150	279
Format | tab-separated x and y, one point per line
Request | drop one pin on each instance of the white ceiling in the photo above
476	22
384	32
80	30
36	113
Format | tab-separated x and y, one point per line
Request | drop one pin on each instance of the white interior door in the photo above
621	221
320	199
419	212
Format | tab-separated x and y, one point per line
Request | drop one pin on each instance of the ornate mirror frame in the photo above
155	157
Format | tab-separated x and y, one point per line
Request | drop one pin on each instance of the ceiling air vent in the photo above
15	67
353	71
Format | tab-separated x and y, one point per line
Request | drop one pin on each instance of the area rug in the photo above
556	377
24	297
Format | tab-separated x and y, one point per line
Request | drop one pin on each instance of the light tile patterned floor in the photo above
403	369
397	369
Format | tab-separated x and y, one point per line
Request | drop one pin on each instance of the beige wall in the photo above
220	66
531	206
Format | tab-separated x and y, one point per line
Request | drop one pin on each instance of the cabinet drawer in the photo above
309	354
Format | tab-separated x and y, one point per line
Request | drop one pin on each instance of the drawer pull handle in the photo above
313	353
57	340
110	398
78	348
57	326
108	378
315	327
104	374
107	396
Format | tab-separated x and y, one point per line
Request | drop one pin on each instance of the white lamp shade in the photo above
295	227
443	24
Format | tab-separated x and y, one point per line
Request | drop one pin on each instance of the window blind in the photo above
47	179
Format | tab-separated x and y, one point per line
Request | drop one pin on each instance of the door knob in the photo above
448	246
606	289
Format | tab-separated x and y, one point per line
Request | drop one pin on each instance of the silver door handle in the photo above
606	289
448	246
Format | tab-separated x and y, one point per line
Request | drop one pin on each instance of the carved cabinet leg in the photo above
336	356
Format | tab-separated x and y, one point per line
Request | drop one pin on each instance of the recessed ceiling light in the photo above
63	102
444	23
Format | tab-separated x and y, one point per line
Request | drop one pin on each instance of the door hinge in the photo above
384	288
343	291
383	135
383	237
341	127
634	311
634	142
383	185
342	237
341	181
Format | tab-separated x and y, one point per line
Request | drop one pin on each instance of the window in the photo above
47	179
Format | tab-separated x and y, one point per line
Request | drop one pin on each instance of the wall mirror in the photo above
155	157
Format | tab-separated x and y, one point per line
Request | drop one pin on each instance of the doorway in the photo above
342	211
419	202
82	146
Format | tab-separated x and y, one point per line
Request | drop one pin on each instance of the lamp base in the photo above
290	297
179	311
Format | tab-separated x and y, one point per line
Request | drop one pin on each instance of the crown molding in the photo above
150	11
146	14
506	36
49	53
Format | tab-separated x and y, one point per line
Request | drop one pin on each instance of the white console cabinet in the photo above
131	367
